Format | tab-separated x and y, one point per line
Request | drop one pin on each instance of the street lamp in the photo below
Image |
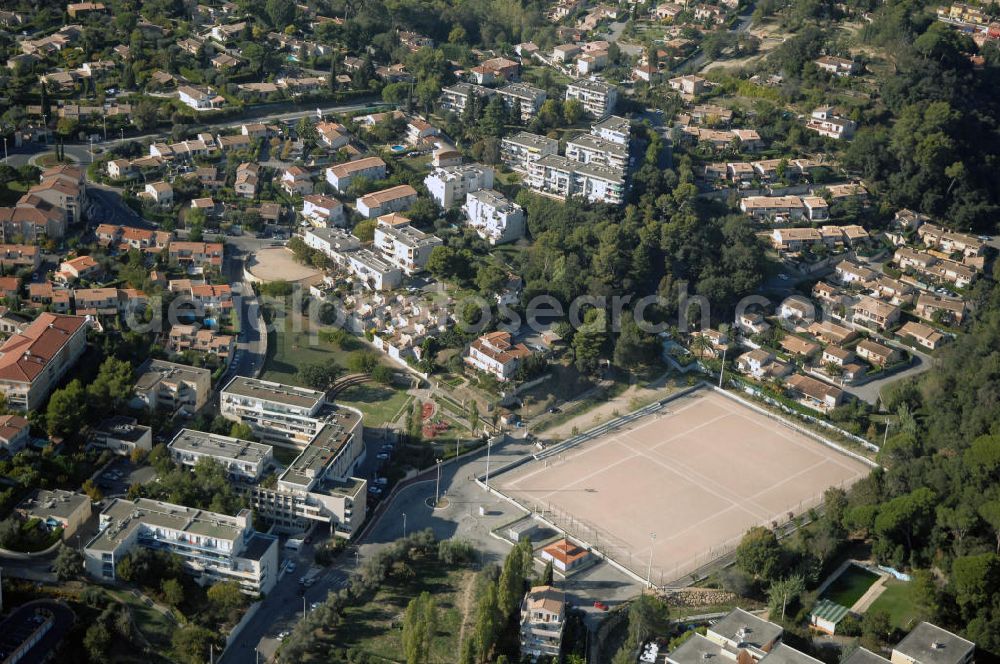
489	444
649	568
722	369
303	606
437	486
5	149
404	524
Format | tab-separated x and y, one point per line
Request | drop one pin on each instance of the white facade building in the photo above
449	185
598	98
405	246
495	218
523	148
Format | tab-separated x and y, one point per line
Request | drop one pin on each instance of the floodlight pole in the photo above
649	568
722	369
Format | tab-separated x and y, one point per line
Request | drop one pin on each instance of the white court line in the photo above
704	486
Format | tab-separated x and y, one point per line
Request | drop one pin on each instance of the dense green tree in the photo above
759	553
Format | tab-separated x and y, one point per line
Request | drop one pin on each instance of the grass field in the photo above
152	624
376	627
850	586
289	350
898	601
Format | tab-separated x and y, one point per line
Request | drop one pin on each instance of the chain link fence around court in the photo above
642	568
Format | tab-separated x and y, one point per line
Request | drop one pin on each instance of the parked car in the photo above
381	481
382	456
598	604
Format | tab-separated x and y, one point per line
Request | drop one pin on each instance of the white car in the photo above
282	636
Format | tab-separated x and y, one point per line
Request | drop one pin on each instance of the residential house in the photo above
161	193
543	620
56	508
82	267
794	345
877	354
921	334
196	254
296	181
825	123
871	312
689	84
849	272
496	354
772	207
247	179
565	555
333	134
935	308
837	66
761	363
15	433
830	333
199	98
814	393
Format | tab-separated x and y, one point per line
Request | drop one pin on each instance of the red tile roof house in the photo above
201	254
32	362
14	433
496	354
82	267
565	555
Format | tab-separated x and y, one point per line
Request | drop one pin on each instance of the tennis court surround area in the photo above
683	484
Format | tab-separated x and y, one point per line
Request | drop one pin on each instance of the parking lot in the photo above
120	474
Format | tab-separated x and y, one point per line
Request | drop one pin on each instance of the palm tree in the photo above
701	344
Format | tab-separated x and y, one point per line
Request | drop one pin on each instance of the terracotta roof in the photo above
12	425
340	170
25	355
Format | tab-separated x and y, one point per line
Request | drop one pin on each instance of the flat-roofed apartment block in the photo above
930	644
121	434
740	630
495	218
212	547
769	207
613	128
450	184
283	414
33	361
318	485
175	388
598	98
456	97
403	245
520	150
590	149
57	508
562	178
243	459
523	98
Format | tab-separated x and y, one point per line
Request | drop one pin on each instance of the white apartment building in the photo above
175	388
520	150
543	619
322	210
340	176
375	272
590	149
384	201
213	547
526	99
318	484
456	97
121	435
450	184
562	178
613	128
284	414
825	123
331	241
403	245
598	98
243	459
495	218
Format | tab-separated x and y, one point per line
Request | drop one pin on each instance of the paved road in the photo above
869	392
81	151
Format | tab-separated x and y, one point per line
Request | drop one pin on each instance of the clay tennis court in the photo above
698	474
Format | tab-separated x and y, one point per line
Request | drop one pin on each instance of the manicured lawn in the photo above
153	625
376	627
897	600
288	351
850	586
